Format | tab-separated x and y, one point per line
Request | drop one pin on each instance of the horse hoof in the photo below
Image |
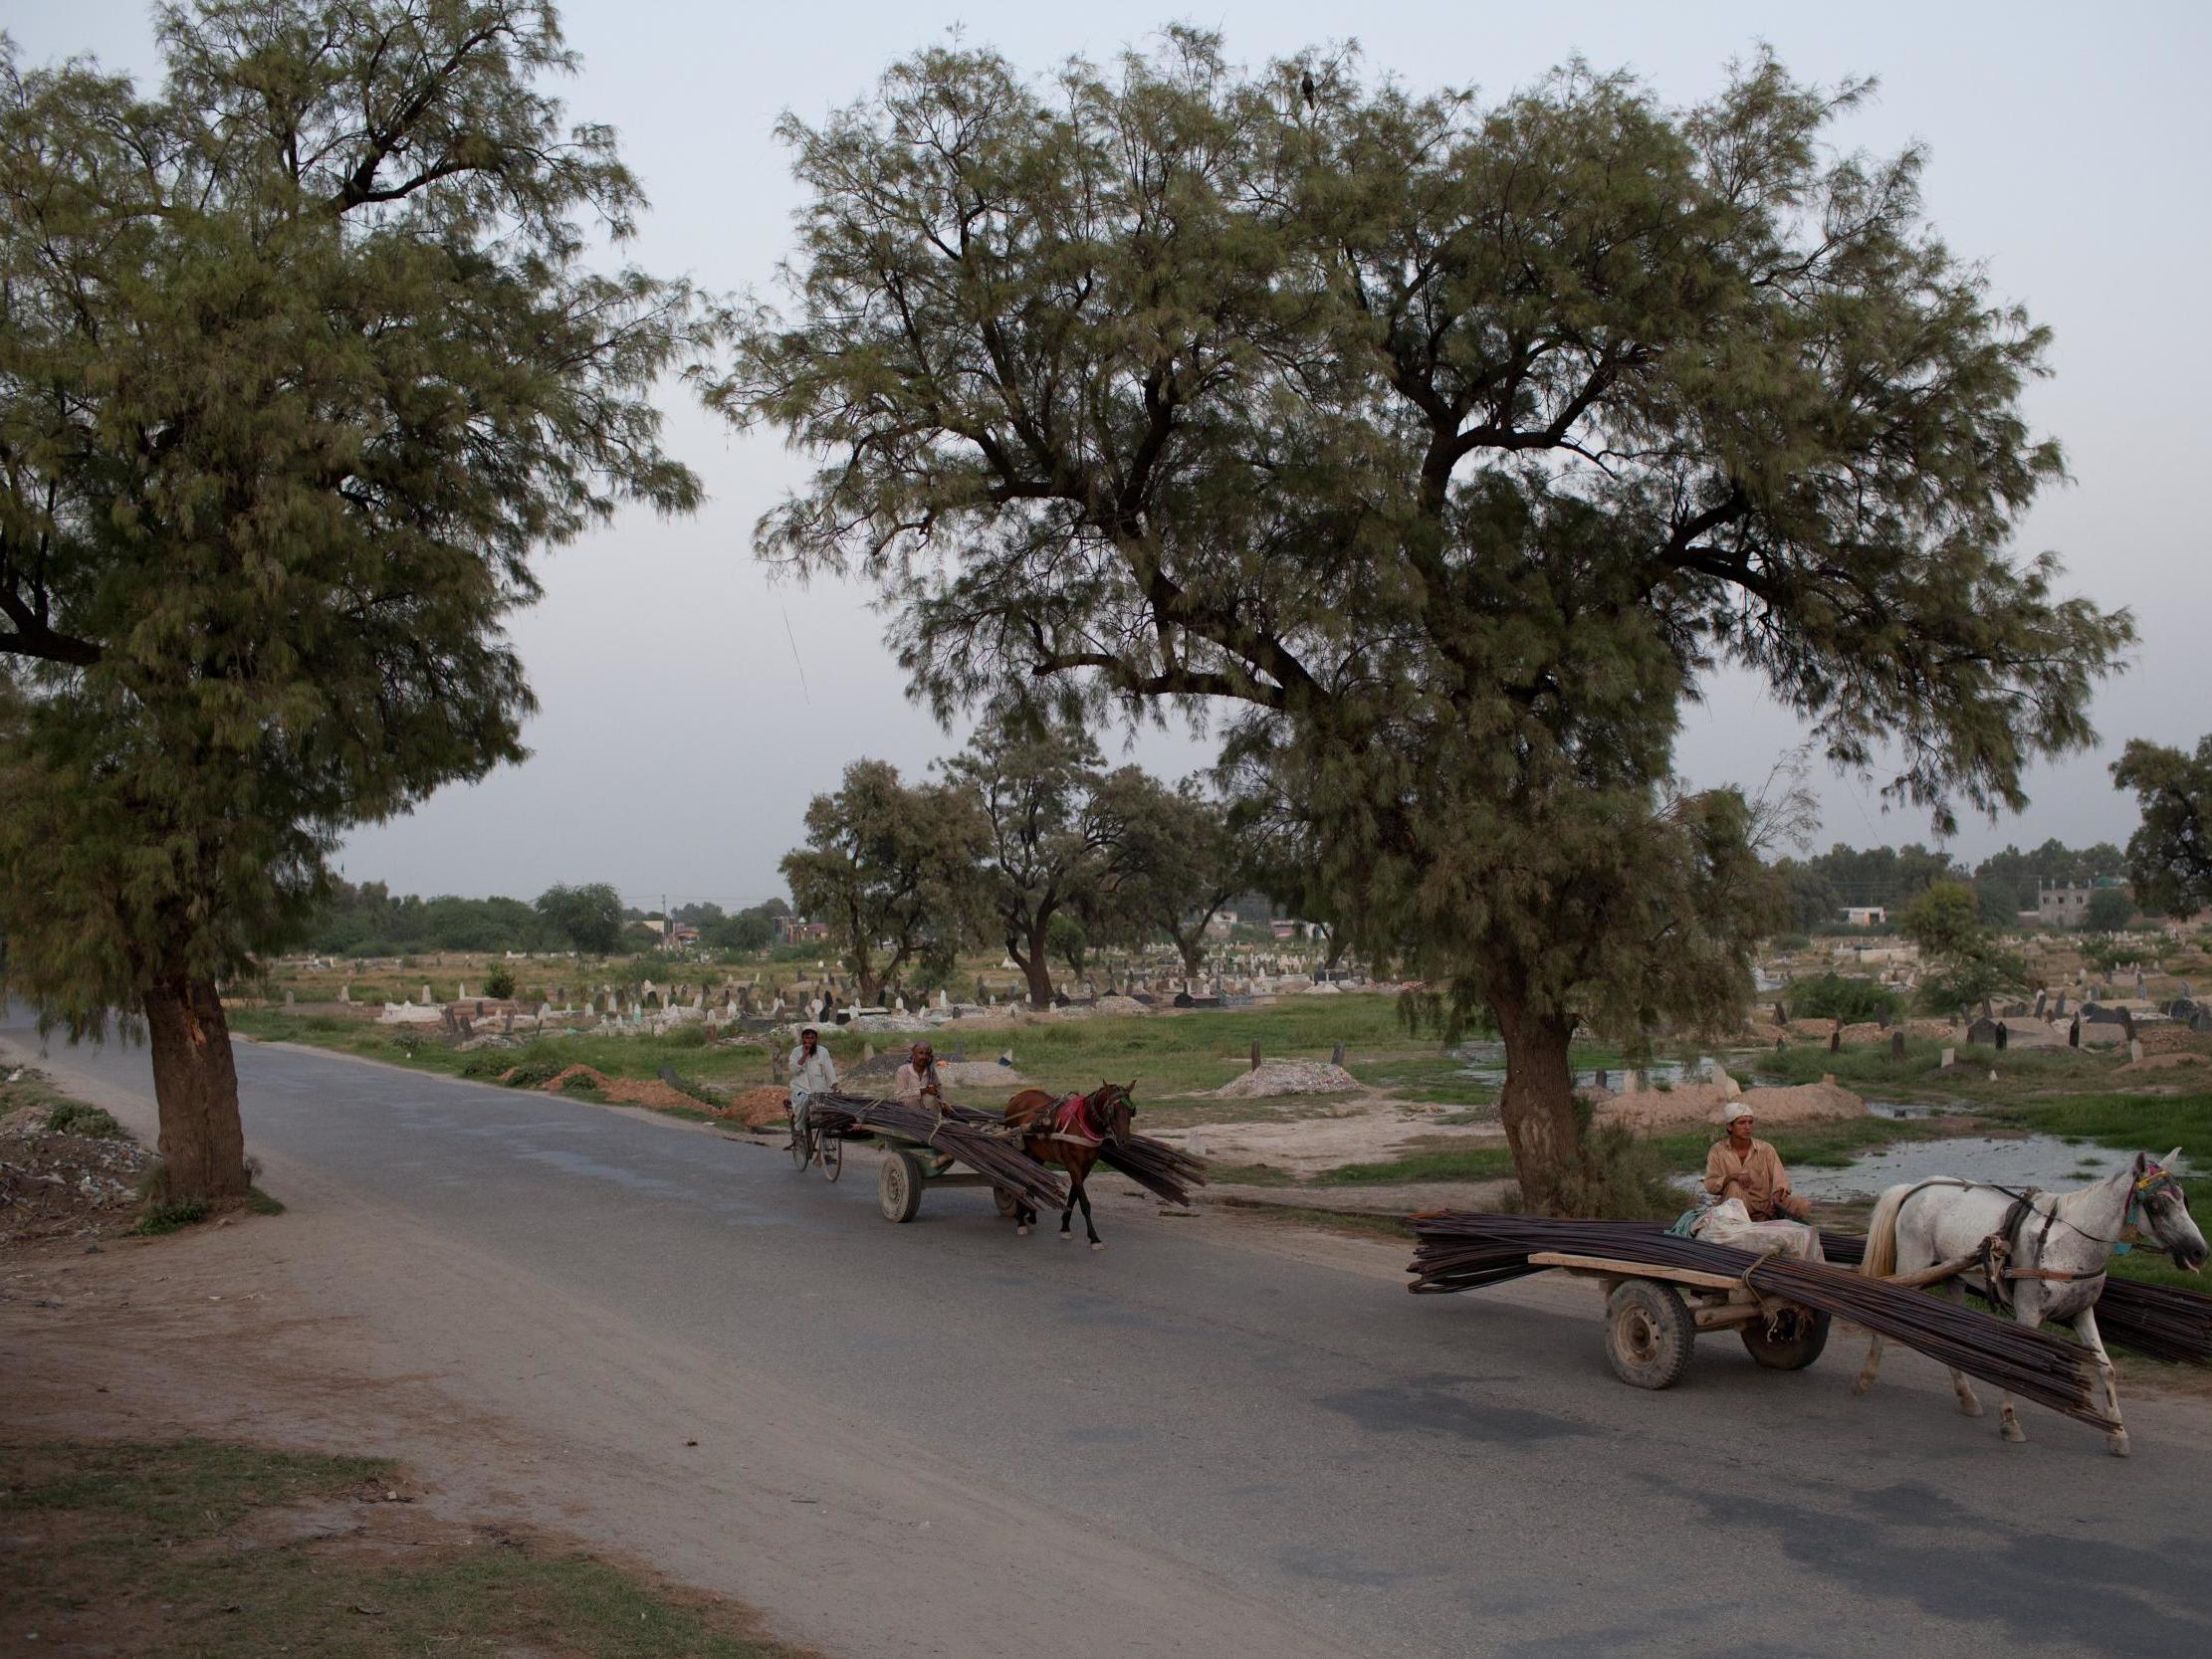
2015	1435
1022	1232
1862	1389
1970	1409
2116	1444
1098	1247
1067	1238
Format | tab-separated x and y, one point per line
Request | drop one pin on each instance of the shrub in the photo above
533	1074
168	1214
1839	995
76	1118
499	984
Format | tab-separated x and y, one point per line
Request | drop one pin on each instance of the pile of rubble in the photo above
56	1184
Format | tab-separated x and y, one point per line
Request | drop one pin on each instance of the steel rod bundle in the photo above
1460	1250
1002	1162
2158	1320
1163	1171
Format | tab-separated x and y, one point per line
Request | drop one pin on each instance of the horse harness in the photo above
2001	1246
1070	1120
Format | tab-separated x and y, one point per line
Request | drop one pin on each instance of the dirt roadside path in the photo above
342	1326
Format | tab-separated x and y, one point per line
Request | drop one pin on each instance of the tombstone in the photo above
1983	1032
346	994
1600	1078
941	1002
898	1004
1336	1055
288	999
462	995
867	1051
2074	1034
1836	1037
2138	981
426	996
2004	1036
2128	1023
1255	1054
506	1023
2134	1049
2201	1021
1951	1058
480	1007
1781	1014
544	1012
2058	1009
2038	1001
1896	1045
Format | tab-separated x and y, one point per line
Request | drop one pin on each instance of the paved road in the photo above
1411	1476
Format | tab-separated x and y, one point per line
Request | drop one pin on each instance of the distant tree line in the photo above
2004	884
369	919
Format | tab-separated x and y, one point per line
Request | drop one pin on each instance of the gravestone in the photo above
346	994
1781	1014
2134	1049
288	999
1896	1045
1336	1055
462	995
2038	1002
1982	1032
2004	1035
426	996
2074	1033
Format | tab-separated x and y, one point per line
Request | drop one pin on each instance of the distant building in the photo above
2067	904
1864	916
1222	925
1287	927
797	929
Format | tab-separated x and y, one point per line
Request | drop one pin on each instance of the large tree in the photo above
1051	843
1446	449
893	869
2169	857
299	361
590	917
1180	860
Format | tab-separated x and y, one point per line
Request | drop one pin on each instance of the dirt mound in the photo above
2170	1039
624	1091
1289	1076
1113	1004
763	1107
1700	1103
2165	1062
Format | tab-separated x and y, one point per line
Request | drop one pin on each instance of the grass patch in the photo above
169	1215
1467	1164
144	1549
259	1203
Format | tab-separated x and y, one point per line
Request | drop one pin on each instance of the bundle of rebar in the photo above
957	1133
1163	1171
1460	1250
2159	1320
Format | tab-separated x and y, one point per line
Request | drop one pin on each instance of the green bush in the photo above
1842	996
76	1118
499	984
534	1074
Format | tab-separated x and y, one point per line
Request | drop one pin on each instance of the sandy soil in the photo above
1691	1104
1356	1131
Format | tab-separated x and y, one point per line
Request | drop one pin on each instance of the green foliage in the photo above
1179	862
302	360
1965	960
1050	837
889	863
170	1214
500	984
1180	384
2169	857
1854	1000
1944	920
370	920
526	1073
2110	909
2054	861
76	1118
1066	939
588	918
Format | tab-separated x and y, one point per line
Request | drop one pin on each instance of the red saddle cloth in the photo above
1072	1117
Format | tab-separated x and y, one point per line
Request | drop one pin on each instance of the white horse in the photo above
2052	1266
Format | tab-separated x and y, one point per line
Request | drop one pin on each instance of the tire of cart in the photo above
1008	1206
1649	1334
1794	1342
899	1185
800	1148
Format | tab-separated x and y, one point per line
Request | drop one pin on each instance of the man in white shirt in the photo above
917	1083
813	1071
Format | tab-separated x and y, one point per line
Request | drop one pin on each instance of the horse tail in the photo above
1881	1259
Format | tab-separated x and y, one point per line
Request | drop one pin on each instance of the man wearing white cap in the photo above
1741	1167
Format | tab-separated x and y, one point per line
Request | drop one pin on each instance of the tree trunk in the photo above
1193	950
1537	1102
1036	968
195	1085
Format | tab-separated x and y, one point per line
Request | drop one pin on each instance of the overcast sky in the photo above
690	707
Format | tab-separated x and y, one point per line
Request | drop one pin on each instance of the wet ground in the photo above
1486	1064
2042	1160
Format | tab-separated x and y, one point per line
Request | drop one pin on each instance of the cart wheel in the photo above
1799	1336
1008	1205
833	1156
899	1186
1648	1333
799	1148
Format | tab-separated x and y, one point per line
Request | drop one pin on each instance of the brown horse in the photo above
1069	1130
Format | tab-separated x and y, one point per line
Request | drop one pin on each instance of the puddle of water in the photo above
2031	1160
1486	1064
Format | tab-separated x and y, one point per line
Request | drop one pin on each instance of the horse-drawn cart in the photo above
1653	1314
923	1149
